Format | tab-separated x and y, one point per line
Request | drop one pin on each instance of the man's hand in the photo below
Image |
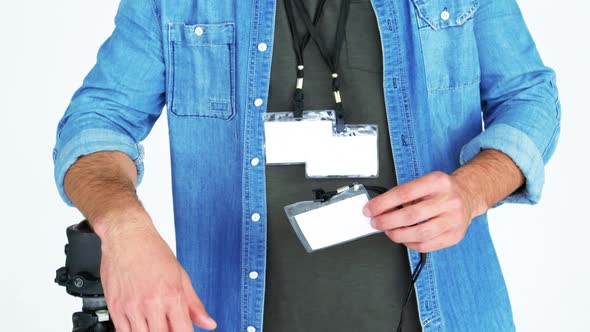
146	288
434	211
437	198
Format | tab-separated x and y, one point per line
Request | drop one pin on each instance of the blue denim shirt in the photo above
451	69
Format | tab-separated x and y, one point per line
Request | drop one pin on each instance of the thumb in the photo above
196	308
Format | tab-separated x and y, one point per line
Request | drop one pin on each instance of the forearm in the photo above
141	276
102	185
488	178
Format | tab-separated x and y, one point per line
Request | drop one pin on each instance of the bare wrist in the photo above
472	191
114	221
487	179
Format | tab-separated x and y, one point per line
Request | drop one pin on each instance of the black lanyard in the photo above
332	60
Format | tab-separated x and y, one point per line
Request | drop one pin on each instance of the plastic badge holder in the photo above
320	225
287	139
352	153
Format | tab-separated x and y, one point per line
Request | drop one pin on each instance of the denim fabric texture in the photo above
459	76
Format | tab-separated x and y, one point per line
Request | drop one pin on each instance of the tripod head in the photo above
81	278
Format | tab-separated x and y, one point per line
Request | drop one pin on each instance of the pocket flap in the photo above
440	14
202	34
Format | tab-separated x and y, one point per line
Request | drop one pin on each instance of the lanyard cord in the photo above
423	257
415	275
298	46
323	196
331	60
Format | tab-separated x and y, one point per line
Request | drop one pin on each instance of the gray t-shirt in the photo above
359	285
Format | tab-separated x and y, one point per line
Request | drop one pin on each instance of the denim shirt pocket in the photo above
202	70
449	46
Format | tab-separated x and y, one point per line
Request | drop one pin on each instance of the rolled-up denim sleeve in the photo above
520	104
120	98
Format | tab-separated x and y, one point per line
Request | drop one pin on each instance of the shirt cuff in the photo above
523	152
92	140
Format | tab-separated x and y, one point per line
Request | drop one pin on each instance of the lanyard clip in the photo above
299	84
336	88
338	100
322	196
298	98
337	97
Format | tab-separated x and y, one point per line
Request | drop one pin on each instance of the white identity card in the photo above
288	140
321	225
352	153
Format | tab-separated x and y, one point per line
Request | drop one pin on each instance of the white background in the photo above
47	47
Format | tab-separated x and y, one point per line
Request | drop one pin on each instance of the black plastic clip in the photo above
322	196
298	104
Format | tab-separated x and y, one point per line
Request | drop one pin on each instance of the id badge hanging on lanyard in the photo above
332	218
353	153
288	139
320	139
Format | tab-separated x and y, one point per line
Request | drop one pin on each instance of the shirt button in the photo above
254	161
258	102
199	31
251	329
253	275
262	47
445	15
255	217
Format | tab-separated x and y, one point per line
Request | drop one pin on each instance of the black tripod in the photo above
81	278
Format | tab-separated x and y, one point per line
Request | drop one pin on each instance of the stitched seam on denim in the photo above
172	77
263	169
225	101
468	14
177	42
251	114
211	116
222	110
454	26
421	9
246	207
404	97
204	25
409	126
419	5
434	300
157	17
454	87
233	62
